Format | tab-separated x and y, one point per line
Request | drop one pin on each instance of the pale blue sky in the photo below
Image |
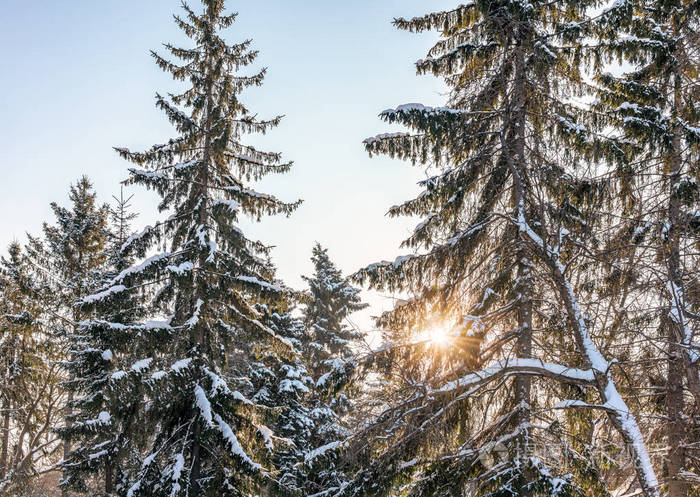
77	80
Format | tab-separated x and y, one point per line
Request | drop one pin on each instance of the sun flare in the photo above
438	336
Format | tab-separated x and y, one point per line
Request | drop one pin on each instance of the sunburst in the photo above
438	336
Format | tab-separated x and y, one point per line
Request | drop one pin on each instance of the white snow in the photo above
519	366
384	136
203	404
143	364
320	451
230	204
181	269
194	319
140	267
415	107
259	282
266	433
135	237
103	294
181	364
178	466
117	375
236	448
292	386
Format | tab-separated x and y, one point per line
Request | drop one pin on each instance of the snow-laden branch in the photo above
519	366
620	415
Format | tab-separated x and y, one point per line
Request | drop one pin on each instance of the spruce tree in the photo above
504	217
203	284
285	385
332	301
106	412
331	352
70	258
652	107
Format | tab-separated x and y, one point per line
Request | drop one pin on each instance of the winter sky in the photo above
78	80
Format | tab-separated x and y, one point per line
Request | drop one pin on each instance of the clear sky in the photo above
77	79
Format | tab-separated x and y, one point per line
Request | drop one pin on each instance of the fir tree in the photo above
331	352
285	386
332	301
107	412
204	436
503	217
653	107
71	258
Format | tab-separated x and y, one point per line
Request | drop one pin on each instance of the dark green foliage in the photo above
106	428
331	352
202	289
507	147
72	256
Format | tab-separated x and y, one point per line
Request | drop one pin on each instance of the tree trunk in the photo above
523	348
204	181
5	437
66	443
109	479
676	333
675	426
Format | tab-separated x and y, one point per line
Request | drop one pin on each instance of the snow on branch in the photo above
620	415
423	109
235	445
520	366
311	456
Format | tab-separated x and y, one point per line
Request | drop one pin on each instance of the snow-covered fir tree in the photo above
202	285
652	107
106	427
504	216
285	385
70	258
331	350
332	300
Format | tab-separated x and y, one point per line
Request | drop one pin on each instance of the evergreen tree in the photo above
332	301
107	412
71	258
285	386
331	352
653	107
504	218
205	437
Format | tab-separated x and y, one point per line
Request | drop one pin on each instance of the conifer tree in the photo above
205	437
331	352
332	301
107	412
71	257
285	385
504	216
652	107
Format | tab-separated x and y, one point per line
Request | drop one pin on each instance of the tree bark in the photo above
523	348
675	426
109	479
618	412
5	437
204	181
675	335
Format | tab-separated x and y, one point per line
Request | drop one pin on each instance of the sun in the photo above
437	336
